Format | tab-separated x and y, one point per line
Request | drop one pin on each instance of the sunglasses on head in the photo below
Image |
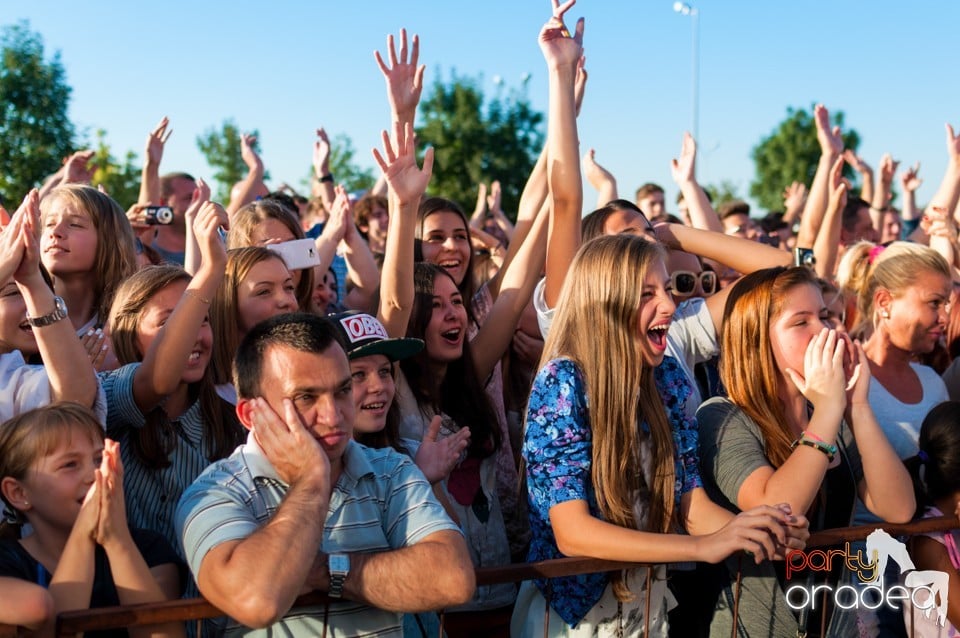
684	282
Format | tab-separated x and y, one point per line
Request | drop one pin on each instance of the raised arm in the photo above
406	183
150	192
403	77
683	171
562	53
881	194
831	146
164	362
949	191
794	198
71	375
866	173
910	181
743	255
828	239
191	254
600	178
362	269
322	178
246	189
496	210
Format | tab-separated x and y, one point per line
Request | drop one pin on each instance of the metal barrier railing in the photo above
74	622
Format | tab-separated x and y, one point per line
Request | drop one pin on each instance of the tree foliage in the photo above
791	153
121	180
221	148
726	191
477	142
35	132
344	167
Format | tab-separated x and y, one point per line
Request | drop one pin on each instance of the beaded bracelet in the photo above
826	448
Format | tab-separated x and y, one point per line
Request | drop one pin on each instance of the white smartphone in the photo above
297	253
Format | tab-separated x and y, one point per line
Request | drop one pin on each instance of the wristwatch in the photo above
339	567
59	312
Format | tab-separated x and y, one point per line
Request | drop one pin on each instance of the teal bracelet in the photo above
826	448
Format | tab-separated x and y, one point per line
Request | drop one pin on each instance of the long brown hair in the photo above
225	309
154	442
596	327
245	221
749	373
116	254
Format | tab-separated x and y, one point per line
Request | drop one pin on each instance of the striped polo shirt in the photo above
152	494
380	502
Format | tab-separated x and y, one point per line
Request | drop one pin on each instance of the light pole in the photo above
685	9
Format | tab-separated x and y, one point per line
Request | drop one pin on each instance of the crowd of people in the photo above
372	396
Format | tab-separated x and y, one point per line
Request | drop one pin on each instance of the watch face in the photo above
339	563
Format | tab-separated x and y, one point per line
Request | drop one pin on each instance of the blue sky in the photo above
285	68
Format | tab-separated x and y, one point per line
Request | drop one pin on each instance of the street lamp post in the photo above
685	9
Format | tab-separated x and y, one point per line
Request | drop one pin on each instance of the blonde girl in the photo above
88	248
58	474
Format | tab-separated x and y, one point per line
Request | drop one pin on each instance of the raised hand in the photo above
857	162
580	83
248	152
29	267
953	145
287	444
794	196
823	382
403	77
888	168
831	143
321	154
909	178
494	198
858	379
210	218
558	46
597	175
88	521
78	169
684	170
201	195
837	186
480	209
436	459
405	179
11	239
156	139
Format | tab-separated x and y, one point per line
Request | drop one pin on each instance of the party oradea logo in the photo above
926	590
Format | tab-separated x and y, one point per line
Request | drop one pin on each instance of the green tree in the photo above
120	180
726	191
222	150
791	153
35	133
475	142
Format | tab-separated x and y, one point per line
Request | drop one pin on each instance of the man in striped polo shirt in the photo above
302	507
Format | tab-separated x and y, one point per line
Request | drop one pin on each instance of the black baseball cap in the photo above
364	335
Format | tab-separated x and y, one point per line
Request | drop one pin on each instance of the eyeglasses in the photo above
684	282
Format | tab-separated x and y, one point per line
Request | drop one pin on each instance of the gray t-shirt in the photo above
763	609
